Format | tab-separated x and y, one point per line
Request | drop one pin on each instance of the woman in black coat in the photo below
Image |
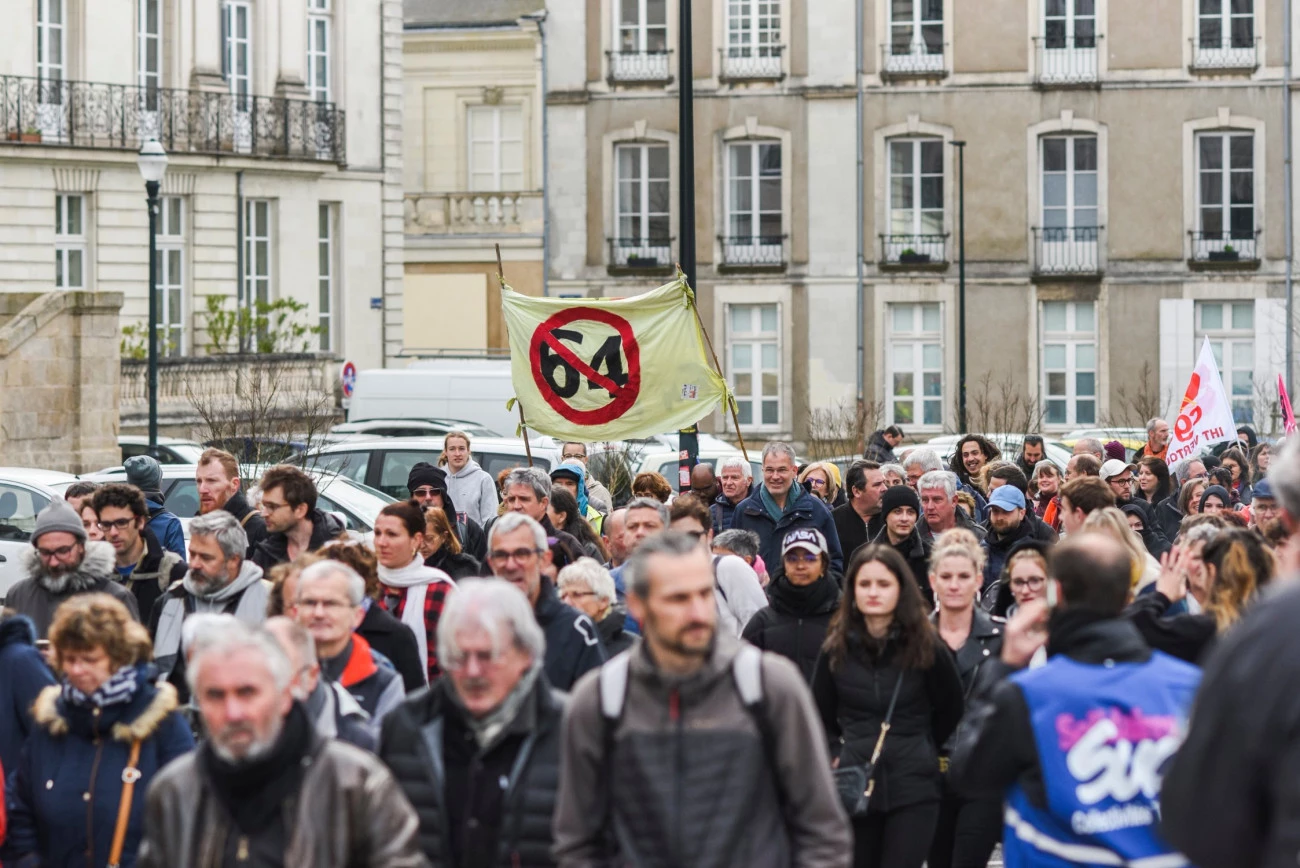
801	600
443	551
880	641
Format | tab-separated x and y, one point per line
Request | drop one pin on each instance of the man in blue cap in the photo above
1006	526
1264	508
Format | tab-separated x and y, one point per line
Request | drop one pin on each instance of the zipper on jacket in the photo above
90	791
675	715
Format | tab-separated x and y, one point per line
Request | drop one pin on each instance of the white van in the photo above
472	389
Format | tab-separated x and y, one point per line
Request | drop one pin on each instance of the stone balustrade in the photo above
505	213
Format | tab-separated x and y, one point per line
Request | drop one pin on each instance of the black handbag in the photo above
856	783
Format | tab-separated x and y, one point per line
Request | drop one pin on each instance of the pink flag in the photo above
1288	417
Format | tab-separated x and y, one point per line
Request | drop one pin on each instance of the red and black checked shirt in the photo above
435	597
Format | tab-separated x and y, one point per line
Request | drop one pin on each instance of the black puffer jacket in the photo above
794	622
458	566
527	755
250	519
916	551
853	699
275	548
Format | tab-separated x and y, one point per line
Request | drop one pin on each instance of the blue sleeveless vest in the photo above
1104	734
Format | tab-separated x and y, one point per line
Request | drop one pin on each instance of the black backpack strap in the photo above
716	584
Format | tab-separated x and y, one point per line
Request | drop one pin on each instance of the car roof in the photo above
484	444
141	440
36	475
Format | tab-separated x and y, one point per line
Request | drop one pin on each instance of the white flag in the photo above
1205	416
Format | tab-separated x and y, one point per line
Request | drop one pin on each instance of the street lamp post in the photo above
153	165
961	285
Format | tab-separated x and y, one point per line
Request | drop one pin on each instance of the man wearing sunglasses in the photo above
61	565
143	566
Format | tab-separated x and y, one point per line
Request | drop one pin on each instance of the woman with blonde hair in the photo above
442	550
1111	522
818	480
102	734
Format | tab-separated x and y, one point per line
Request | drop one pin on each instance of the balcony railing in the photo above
751	62
641	254
82	114
1067	250
508	213
1225	247
1210	55
753	251
640	66
1067	61
919	59
916	251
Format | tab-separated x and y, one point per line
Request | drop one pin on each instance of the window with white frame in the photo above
1070	231
641	41
915	200
496	148
51	50
914	370
1225	196
1225	33
70	241
318	50
327	253
171	276
642	203
1230	327
237	50
257	252
149	52
753	47
754	363
753	203
1068	51
915	35
1068	331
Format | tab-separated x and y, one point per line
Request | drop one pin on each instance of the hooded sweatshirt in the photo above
474	491
245	598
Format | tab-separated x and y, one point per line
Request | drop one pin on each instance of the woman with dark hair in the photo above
408	590
1153	481
441	549
1260	457
1235	461
1214	499
880	644
563	510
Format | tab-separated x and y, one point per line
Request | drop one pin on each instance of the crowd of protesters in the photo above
898	662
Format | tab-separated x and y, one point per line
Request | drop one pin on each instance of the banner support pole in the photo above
731	404
523	425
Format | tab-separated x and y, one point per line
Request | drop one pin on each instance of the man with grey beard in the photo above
265	788
61	565
220	580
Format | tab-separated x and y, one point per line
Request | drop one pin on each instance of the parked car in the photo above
1132	438
24	491
170	450
372	428
260	450
1008	444
383	463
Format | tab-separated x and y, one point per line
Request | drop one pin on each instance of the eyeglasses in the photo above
61	552
523	556
1032	584
327	605
426	491
573	595
116	524
570	456
460	658
1122	480
267	507
817	483
801	557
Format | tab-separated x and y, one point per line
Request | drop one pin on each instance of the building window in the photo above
1230	327
915	36
327	252
641	41
915	369
257	253
753	48
1225	34
496	148
170	276
149	52
754	356
1068	48
69	241
318	50
1069	362
753	204
1068	240
237	53
51	52
1225	196
642	204
915	200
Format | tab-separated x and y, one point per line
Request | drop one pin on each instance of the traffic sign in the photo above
561	363
348	378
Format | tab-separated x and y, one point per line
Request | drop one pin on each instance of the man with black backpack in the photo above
694	748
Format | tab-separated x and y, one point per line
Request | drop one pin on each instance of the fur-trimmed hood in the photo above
138	719
98	563
17	630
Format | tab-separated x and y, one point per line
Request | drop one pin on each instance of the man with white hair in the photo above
333	711
328	604
939	507
588	587
736	481
780	504
265	788
478	753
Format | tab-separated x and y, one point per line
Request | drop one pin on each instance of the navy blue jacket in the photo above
167	527
572	641
48	813
25	676
808	511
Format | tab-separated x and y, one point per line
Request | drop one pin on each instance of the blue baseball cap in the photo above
1263	489
1007	498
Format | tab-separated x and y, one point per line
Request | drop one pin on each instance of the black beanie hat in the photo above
896	496
424	473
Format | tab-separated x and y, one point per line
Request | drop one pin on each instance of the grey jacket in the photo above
96	574
683	778
349	811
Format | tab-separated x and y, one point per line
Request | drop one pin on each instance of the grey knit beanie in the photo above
59	515
144	473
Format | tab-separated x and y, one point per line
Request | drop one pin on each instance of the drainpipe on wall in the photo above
860	192
1288	193
239	254
539	18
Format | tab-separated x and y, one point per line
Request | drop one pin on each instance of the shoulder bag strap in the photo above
248	516
130	775
884	728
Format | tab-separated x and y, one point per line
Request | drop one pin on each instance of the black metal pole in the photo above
961	285
151	188
687	439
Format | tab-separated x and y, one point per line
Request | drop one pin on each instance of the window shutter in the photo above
1270	342
1177	349
225	41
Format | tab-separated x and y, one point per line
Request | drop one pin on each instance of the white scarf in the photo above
415	577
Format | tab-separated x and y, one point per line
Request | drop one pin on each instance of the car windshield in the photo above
359	504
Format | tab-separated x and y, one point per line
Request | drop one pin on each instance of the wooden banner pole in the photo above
523	425
731	404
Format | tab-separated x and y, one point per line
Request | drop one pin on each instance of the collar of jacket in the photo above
153	553
548	603
912	547
324	527
1023	531
17	630
360	664
982	624
818	598
801	508
717	665
237	505
610	627
99	565
542	704
137	719
1089	637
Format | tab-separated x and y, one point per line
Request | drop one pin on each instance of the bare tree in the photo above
1137	400
841	428
1001	406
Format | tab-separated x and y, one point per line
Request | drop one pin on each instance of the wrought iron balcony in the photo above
83	114
751	62
1067	62
1067	250
914	251
640	66
1225	54
1226	249
917	60
640	254
753	251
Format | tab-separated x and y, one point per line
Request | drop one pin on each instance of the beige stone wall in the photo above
1143	35
59	361
992	36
